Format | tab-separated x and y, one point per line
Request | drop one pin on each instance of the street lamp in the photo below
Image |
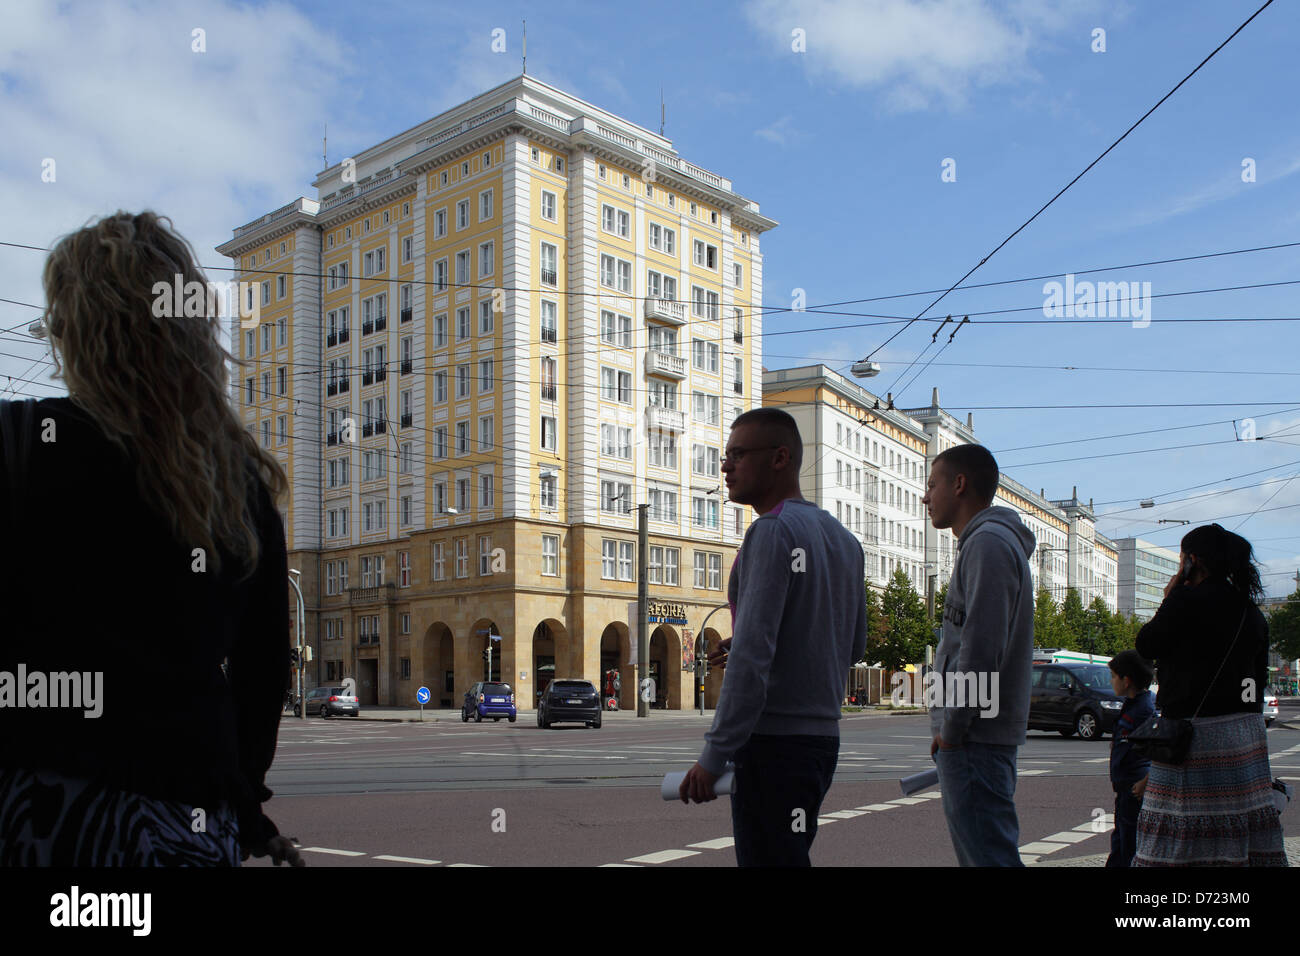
865	369
294	575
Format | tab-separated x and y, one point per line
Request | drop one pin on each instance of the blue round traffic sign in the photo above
422	695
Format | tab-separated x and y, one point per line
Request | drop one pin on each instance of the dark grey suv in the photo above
569	701
1074	698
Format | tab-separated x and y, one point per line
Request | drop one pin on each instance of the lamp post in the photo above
701	649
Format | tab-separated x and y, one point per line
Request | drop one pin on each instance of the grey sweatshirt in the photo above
800	622
988	629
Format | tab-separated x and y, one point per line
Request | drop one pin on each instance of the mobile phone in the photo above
1188	566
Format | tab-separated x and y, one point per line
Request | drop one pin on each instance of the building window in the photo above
462	557
404	573
485	492
548	493
484	555
548	206
548	321
485	205
439	562
550	555
549	264
615	497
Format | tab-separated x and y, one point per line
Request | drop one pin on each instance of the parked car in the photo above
569	701
1073	698
1270	706
333	702
488	699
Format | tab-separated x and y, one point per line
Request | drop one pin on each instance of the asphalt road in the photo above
360	793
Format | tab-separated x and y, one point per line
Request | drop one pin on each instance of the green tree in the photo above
1096	628
877	626
1284	628
1074	622
1047	621
909	630
940	597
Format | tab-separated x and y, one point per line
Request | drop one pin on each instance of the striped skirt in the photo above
50	819
1215	809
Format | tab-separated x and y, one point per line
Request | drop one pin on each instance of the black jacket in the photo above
1188	639
91	579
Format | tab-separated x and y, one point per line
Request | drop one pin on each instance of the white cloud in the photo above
133	118
914	54
780	132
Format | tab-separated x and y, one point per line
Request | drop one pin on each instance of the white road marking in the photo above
475	753
847	814
321	849
907	801
630	866
1096	760
663	856
1069	836
1031	773
823	821
1042	847
408	859
874	807
478	865
721	843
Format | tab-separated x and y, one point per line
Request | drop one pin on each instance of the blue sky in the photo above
844	142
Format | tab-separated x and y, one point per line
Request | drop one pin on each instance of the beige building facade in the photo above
486	343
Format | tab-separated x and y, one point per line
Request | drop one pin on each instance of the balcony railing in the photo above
406	366
381	373
375	595
332	389
367	430
406	420
331	339
738	388
367	328
666	310
381	426
548	333
670	419
549	277
343	384
381	322
332	438
406	315
343	336
367	378
738	337
548	393
664	363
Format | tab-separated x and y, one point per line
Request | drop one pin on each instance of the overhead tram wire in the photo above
1141	119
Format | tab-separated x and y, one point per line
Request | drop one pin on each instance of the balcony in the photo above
367	378
548	277
332	438
367	328
381	322
738	388
738	337
667	419
381	373
343	336
343	384
548	334
406	366
331	339
548	393
406	420
381	426
332	389
664	363
367	430
382	594
666	310
406	315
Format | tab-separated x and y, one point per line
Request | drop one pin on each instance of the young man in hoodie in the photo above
799	620
984	658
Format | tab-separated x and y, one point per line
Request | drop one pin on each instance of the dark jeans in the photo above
1123	839
780	784
978	782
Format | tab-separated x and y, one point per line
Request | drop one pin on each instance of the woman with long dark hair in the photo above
1210	644
143	579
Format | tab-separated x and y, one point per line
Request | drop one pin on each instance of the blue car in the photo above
488	699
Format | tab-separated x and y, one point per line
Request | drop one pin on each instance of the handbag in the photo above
1168	739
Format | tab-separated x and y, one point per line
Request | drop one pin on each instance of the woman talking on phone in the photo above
1210	644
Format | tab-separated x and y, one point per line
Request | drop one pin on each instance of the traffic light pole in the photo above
293	580
642	610
702	656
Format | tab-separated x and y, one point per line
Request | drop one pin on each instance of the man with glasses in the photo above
799	621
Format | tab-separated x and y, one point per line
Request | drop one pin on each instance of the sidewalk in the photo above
443	715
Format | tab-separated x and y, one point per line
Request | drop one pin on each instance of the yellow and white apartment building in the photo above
488	340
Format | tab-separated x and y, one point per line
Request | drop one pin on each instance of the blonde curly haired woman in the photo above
146	564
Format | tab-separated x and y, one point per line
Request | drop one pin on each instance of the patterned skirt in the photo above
49	819
1215	809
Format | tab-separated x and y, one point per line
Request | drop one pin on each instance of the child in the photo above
1130	676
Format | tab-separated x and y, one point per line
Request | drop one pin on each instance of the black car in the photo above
1074	698
569	700
332	702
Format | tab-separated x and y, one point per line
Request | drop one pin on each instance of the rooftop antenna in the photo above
525	48
661	109
324	148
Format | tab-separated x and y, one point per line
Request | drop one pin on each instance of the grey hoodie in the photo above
986	648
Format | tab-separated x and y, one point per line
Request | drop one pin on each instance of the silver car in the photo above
1270	706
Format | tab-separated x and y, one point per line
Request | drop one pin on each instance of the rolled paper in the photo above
670	789
919	781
